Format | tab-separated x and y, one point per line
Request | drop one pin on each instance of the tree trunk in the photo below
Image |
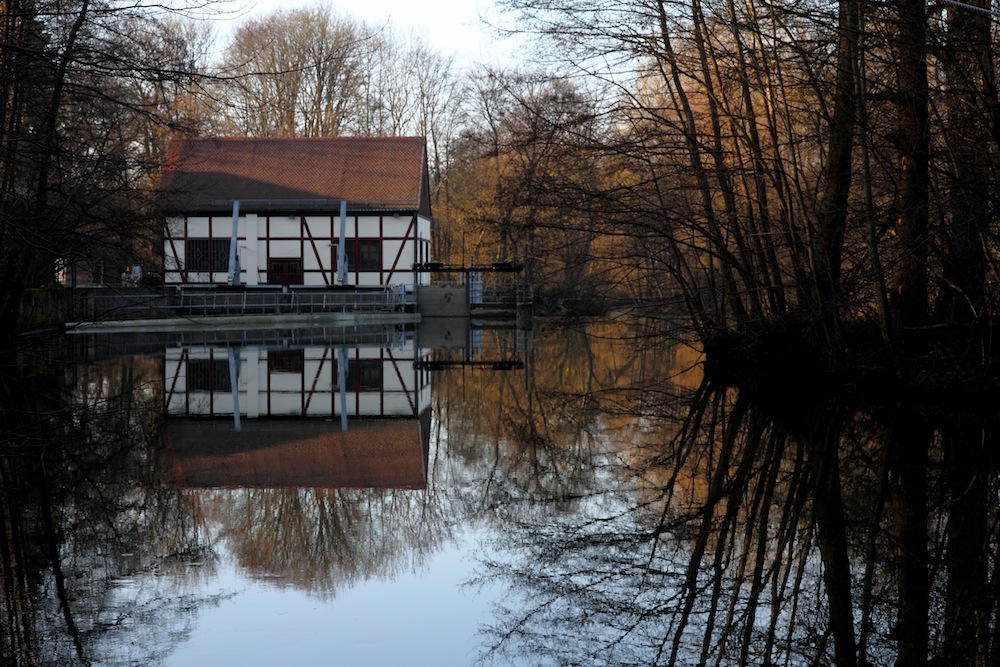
831	534
968	602
831	214
970	84
908	284
908	488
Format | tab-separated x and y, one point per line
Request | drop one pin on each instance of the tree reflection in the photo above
104	561
730	527
548	434
638	513
83	516
321	540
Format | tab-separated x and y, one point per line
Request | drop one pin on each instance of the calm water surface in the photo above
559	494
283	497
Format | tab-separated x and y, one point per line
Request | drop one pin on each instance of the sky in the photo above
448	26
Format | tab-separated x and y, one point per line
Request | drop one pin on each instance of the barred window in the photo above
362	375
208	375
207	254
220	254
197	255
285	361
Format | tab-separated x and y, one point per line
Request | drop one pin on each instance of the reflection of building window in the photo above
365	375
208	375
362	375
207	254
285	361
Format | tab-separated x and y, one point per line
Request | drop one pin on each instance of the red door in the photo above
284	271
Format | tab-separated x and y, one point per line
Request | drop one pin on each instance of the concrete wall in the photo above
443	301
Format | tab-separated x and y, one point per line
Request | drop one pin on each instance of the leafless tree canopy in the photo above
90	91
768	165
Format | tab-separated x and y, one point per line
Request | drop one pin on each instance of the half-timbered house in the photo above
351	211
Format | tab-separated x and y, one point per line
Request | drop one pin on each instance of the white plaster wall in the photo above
395	225
198	227
254	250
285	225
249	249
283	249
368	227
321	405
289	391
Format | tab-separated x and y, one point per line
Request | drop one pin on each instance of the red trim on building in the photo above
319	260
399	253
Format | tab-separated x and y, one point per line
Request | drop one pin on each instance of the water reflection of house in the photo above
297	382
299	453
292	403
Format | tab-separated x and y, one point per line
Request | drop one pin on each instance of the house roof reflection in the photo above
295	453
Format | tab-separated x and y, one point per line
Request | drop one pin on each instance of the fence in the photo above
293	301
491	293
379	335
109	304
105	303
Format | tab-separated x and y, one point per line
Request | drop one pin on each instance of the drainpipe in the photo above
234	385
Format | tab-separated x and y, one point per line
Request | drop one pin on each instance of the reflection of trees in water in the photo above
508	436
83	517
639	520
322	539
714	529
101	560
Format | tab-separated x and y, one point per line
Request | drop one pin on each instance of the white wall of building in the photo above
312	390
312	239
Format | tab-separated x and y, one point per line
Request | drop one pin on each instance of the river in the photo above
562	493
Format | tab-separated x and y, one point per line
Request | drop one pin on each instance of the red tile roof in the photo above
369	172
298	453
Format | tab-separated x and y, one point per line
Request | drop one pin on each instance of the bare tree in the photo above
82	85
293	73
310	73
795	164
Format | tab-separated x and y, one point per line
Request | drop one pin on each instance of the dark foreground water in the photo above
556	495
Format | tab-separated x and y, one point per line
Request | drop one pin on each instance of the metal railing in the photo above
125	304
383	336
274	302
